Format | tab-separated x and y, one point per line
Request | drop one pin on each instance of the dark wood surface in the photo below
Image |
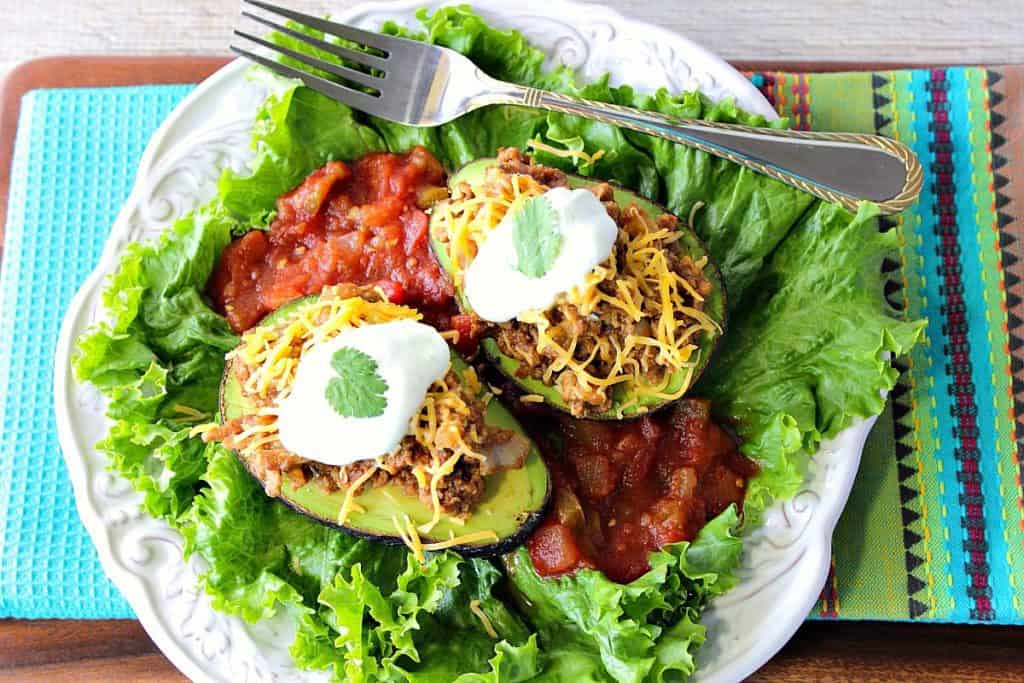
116	651
119	650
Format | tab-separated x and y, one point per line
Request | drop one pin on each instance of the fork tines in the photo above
369	57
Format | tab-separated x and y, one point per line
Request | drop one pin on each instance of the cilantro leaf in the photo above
536	236
358	390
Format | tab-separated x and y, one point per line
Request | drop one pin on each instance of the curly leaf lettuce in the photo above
808	350
159	358
423	628
599	630
806	355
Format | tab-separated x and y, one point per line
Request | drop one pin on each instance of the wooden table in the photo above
119	650
114	651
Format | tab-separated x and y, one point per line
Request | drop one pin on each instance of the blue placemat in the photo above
75	157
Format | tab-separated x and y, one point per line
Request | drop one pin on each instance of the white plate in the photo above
785	562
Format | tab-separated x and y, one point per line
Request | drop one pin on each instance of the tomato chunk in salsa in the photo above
623	490
361	222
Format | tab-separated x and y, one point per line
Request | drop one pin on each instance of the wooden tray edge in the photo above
85	72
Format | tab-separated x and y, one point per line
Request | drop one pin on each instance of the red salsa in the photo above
361	222
623	490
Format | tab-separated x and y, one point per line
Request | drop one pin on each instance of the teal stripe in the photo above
971	235
933	300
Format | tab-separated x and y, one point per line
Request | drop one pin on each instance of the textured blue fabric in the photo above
75	157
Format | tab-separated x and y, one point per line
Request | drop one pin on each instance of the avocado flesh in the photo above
689	243
513	504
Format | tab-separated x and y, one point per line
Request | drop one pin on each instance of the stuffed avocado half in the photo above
491	485
632	333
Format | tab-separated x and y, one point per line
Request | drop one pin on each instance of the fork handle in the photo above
843	168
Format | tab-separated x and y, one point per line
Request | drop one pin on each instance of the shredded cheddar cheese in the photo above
273	352
188	414
566	153
474	607
270	356
639	284
465	539
202	429
348	504
409	533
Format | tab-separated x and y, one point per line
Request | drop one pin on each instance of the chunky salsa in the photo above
624	489
361	222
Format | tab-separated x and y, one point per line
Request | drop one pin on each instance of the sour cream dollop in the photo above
410	356
498	292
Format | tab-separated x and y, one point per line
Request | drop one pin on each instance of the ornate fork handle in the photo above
843	168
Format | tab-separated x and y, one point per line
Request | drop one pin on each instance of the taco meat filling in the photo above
457	418
634	322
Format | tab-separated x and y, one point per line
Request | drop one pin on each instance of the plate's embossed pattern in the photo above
187	176
595	40
785	562
597	48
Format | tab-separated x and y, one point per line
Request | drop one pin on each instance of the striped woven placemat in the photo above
934	529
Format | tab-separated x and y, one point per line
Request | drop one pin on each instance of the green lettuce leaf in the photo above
136	449
809	350
598	630
239	534
159	358
297	130
501	53
423	629
155	306
620	161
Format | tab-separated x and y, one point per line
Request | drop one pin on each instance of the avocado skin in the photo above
717	302
502	546
526	520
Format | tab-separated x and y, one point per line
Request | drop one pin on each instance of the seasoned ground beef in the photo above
459	492
465	424
519	339
512	162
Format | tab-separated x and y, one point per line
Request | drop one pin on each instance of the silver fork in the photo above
417	84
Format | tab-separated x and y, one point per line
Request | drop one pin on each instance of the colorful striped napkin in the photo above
933	530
